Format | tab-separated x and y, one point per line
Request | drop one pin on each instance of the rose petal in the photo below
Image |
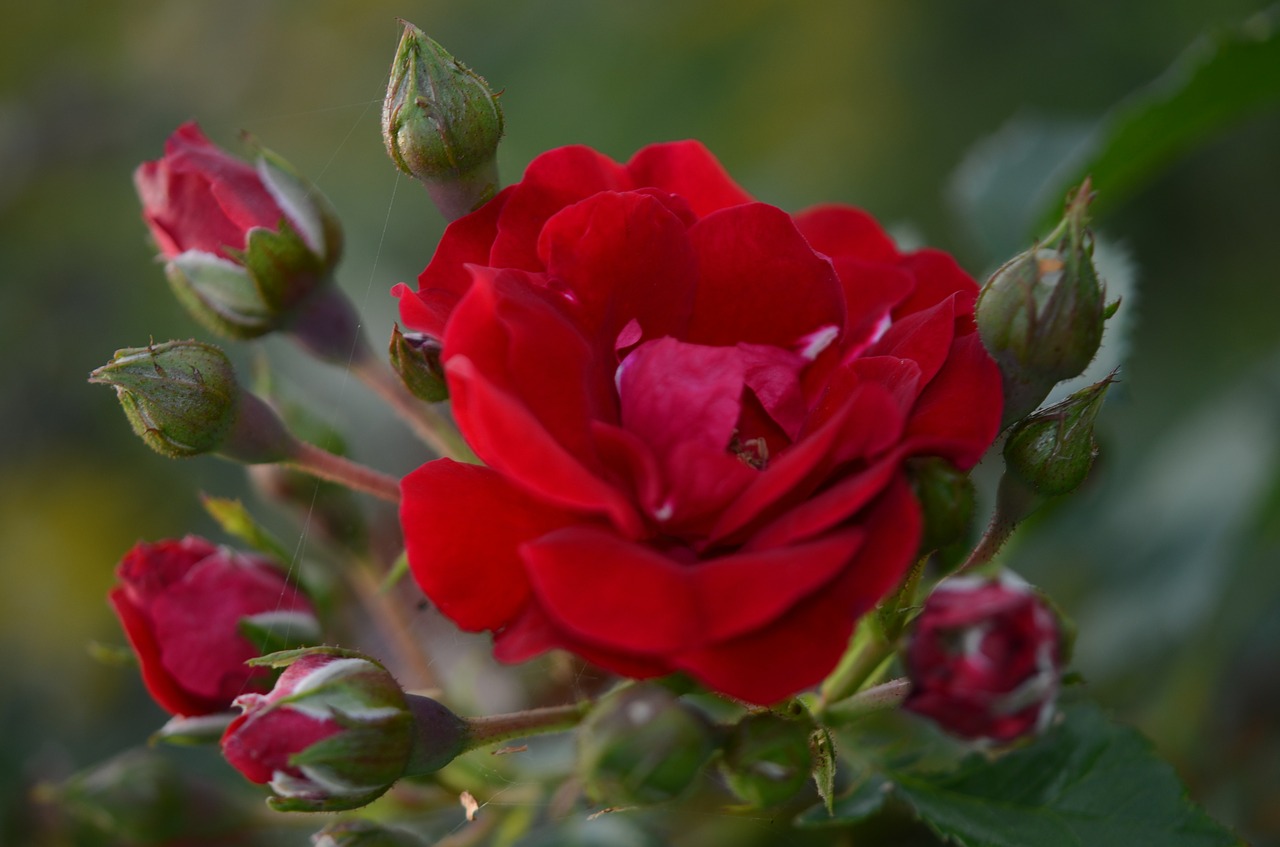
553	180
937	277
946	421
687	169
801	647
463	526
759	282
172	697
672	392
843	231
653	283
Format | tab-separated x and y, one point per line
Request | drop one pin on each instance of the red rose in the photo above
984	659
182	604
694	409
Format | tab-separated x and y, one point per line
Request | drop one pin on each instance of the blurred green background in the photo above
1168	560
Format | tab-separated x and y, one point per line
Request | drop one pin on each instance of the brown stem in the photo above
497	728
311	459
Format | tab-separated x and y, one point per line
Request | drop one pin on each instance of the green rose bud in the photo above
182	399
416	357
767	759
946	498
441	123
1041	315
642	745
1053	450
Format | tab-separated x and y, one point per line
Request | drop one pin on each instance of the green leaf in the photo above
1085	782
1223	78
822	747
864	800
236	521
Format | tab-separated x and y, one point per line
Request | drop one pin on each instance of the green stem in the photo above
886	695
867	654
1014	502
495	729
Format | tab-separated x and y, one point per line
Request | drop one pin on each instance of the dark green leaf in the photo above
1086	782
866	798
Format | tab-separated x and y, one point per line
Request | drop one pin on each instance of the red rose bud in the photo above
642	745
767	759
364	833
441	123
195	613
416	357
244	244
1041	315
334	733
182	398
1053	450
984	659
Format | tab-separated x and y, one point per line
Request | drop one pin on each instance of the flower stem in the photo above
867	653
886	695
497	728
311	459
1014	502
428	424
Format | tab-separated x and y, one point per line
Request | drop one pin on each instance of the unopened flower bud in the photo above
1053	450
642	745
946	499
182	399
334	733
364	833
441	123
1041	315
195	613
244	245
416	357
984	659
767	759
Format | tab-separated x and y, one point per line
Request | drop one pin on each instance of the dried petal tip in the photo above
441	123
1041	315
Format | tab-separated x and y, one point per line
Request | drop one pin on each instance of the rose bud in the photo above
642	745
182	398
364	833
946	500
244	245
1053	450
1041	315
416	358
195	613
334	733
985	659
767	759
441	123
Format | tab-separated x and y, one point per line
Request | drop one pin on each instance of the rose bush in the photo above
184	604
694	410
985	659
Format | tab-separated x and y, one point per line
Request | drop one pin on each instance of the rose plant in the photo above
694	410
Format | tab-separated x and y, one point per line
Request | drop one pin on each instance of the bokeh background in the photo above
1168	560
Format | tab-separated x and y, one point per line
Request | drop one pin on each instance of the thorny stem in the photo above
311	459
1014	502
